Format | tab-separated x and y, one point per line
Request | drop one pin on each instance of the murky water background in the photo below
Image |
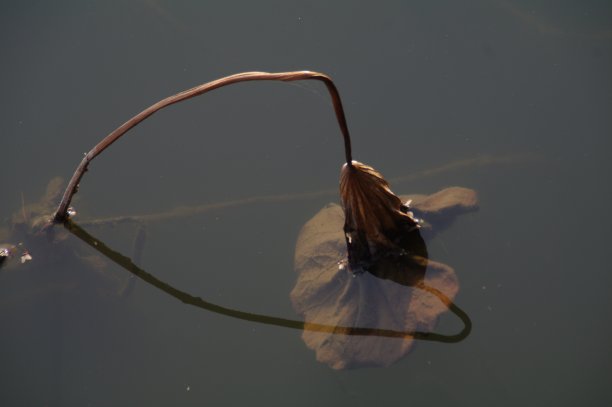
424	85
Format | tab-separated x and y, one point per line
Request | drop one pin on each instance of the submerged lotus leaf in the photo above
404	293
35	215
59	263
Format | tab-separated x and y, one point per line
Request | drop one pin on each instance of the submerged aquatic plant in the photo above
398	288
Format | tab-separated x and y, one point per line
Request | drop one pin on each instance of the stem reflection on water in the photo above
126	263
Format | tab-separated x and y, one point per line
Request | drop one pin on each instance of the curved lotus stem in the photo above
61	214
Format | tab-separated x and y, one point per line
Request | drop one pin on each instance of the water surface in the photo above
424	85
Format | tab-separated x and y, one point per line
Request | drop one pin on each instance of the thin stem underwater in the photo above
186	211
61	214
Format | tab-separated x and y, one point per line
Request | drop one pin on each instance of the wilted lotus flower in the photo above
393	292
377	223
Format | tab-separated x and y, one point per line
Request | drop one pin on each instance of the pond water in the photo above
509	98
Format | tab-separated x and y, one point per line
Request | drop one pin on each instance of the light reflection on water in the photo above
456	82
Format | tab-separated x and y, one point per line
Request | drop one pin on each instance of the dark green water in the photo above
424	84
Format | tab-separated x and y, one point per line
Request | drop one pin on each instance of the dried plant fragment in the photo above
377	222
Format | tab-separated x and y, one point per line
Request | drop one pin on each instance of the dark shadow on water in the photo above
126	263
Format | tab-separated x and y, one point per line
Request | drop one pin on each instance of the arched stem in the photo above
61	213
